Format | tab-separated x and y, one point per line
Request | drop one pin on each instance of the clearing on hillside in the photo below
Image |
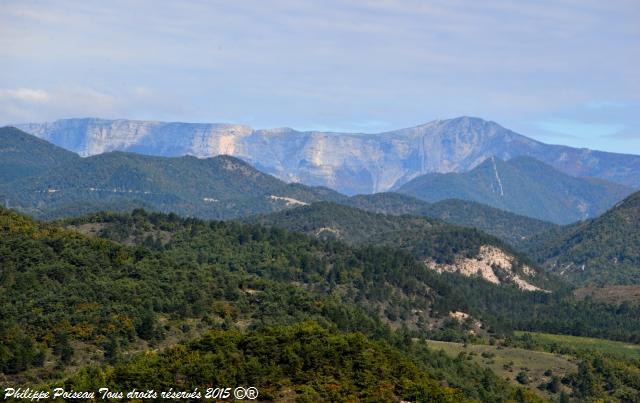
508	362
620	349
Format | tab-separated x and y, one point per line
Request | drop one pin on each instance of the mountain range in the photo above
351	284
522	185
350	163
49	182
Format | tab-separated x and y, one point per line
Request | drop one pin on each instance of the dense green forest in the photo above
374	274
305	361
148	280
126	298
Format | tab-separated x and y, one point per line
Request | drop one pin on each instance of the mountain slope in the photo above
524	186
56	182
605	250
348	162
23	155
441	246
511	228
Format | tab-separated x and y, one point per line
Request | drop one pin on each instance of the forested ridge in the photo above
305	361
602	251
511	228
48	182
424	238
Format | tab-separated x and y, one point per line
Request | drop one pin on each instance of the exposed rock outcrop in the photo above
493	265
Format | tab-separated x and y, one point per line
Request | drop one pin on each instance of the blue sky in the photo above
562	71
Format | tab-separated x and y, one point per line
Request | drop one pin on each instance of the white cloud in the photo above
27	95
22	105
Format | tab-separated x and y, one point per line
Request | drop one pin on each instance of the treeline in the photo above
504	309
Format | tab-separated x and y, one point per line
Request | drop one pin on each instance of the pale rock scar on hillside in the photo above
459	315
330	230
483	265
289	201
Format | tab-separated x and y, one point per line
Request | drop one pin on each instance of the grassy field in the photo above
507	362
624	350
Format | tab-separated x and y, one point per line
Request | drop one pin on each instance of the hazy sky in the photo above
560	71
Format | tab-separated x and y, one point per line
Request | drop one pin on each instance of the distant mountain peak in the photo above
468	120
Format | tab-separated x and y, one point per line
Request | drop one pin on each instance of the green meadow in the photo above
624	350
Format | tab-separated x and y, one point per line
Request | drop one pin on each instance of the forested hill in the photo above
509	227
305	361
523	186
424	238
23	155
145	280
56	183
602	251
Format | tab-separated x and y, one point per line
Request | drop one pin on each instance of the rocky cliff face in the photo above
350	163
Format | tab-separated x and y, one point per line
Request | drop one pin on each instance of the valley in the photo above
601	251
